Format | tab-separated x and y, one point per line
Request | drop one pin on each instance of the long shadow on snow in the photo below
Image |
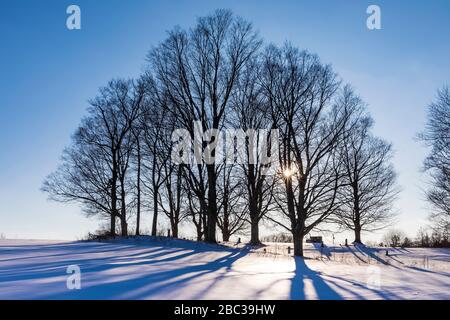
355	254
302	273
372	253
45	251
148	285
324	251
57	268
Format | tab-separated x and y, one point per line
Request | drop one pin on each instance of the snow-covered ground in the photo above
175	269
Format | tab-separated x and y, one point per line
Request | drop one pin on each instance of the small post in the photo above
168	233
346	243
289	250
387	253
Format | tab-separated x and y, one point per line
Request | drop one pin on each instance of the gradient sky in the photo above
47	74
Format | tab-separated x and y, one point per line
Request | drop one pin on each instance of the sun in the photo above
287	173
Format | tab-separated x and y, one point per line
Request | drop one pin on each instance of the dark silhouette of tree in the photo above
369	187
196	209
437	136
311	121
250	114
98	160
137	161
156	131
172	198
394	238
83	177
199	69
231	207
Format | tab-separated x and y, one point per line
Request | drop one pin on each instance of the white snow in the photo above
149	268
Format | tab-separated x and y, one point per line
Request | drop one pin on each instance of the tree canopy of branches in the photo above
250	113
369	187
302	94
94	170
285	102
199	70
232	208
437	163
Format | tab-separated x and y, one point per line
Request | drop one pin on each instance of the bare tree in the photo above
102	145
155	133
422	238
311	122
250	114
196	210
171	196
394	238
437	136
199	69
137	157
83	178
369	179
232	210
125	183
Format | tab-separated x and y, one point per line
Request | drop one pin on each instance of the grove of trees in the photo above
220	75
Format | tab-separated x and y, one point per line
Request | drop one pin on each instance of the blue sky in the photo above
48	73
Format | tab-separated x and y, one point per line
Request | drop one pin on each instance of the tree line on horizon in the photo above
332	169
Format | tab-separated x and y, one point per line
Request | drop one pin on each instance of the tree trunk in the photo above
138	187
114	196
124	227
298	243
226	218
254	237
174	230
225	230
212	206
203	218
254	193
113	225
357	220
225	235
123	216
297	225
357	234
211	227
177	205
155	213
199	232
298	233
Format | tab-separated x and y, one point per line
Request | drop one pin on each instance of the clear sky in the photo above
47	74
